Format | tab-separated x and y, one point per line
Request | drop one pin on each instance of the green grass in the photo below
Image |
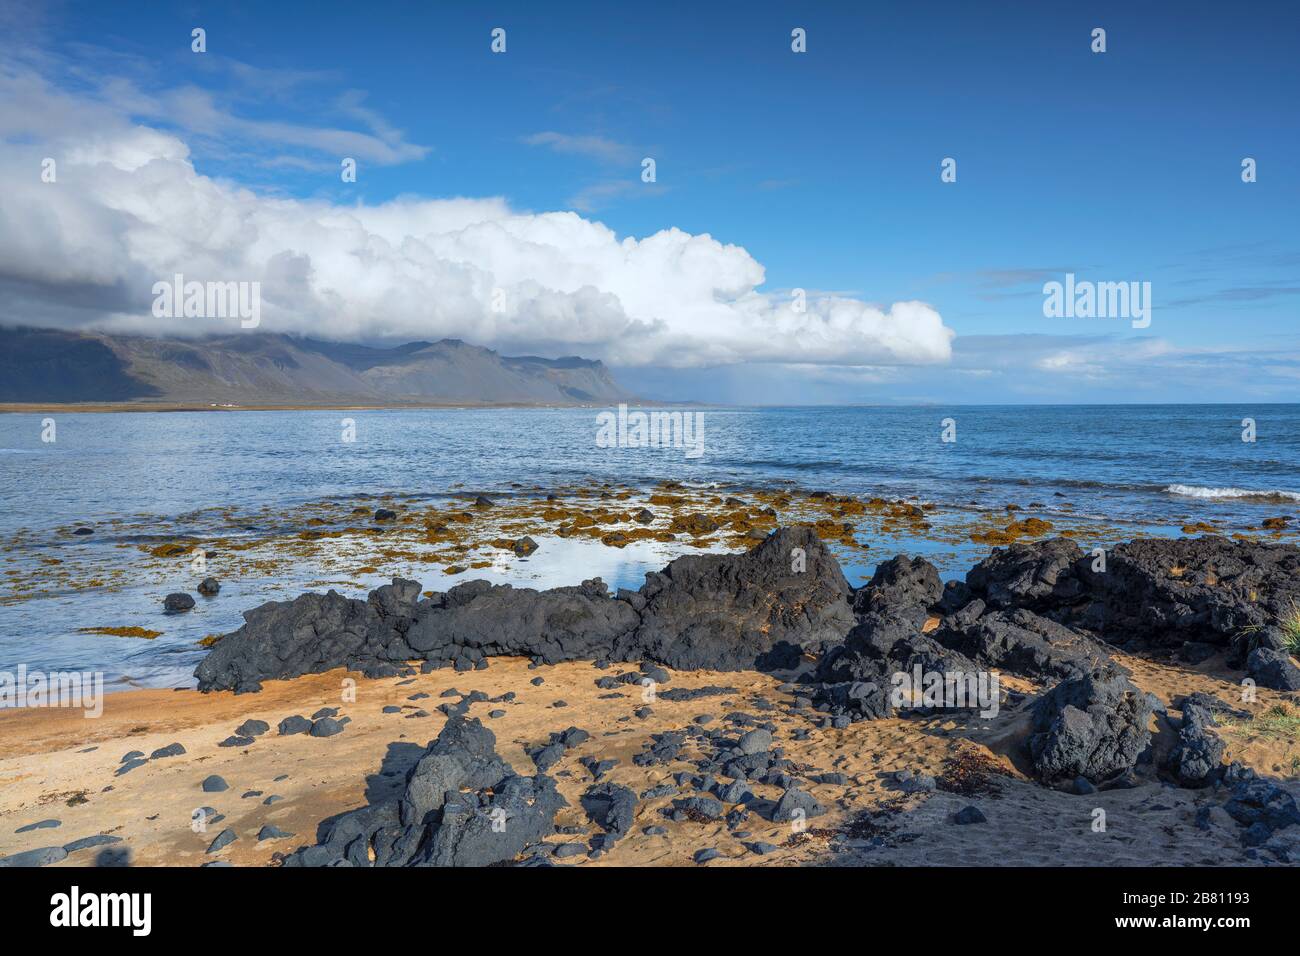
1290	625
1278	722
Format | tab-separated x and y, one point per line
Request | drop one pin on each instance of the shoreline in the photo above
29	408
114	579
201	406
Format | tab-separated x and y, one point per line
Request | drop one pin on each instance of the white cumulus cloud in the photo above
129	209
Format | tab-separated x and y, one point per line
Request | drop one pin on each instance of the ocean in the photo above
138	479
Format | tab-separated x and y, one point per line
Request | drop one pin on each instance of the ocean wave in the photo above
1197	491
781	464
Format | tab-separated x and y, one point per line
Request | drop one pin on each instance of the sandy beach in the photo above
58	765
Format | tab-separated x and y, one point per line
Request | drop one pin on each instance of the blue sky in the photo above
823	166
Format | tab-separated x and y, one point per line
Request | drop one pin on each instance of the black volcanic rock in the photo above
1257	802
1164	592
177	602
281	639
475	620
1035	575
1197	758
462	757
1202	594
461	805
722	612
1272	668
612	807
900	582
1022	642
748	611
1095	727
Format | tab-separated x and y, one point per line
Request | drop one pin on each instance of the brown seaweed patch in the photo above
141	632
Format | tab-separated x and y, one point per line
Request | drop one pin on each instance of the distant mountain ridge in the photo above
258	368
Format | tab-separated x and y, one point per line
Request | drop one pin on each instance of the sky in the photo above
500	197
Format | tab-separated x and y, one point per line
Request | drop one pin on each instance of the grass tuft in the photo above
1278	722
1290	625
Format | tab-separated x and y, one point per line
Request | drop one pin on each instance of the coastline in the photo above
29	408
113	579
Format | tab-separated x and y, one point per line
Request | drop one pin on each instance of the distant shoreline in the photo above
28	408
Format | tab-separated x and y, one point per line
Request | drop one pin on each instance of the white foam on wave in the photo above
1197	491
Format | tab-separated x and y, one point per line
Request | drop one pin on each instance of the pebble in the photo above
41	857
86	843
223	840
296	724
326	727
41	825
177	603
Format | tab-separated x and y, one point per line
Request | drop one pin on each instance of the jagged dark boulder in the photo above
474	831
1213	590
1197	759
757	610
476	620
1261	805
611	807
857	679
1036	576
900	582
282	639
461	805
462	757
1095	727
1273	668
1020	641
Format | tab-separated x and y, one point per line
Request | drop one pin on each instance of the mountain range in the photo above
49	365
